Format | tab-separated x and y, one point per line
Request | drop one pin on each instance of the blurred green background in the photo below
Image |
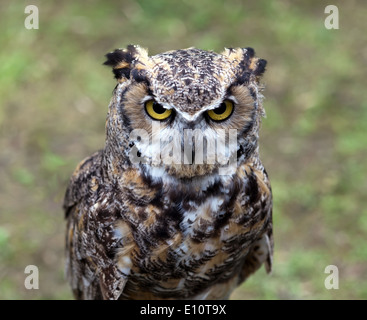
54	93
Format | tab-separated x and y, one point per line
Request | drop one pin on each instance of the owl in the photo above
177	205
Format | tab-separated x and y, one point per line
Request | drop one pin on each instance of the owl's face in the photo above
187	113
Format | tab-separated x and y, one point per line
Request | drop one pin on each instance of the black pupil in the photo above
158	108
221	109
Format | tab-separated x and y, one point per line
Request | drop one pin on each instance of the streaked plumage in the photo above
153	230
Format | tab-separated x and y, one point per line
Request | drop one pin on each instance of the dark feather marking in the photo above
250	53
242	79
253	94
140	76
116	57
123	72
260	67
252	188
249	125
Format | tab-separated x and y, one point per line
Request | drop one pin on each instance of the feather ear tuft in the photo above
122	60
250	68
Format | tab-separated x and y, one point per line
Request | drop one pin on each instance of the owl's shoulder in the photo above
89	240
259	203
87	171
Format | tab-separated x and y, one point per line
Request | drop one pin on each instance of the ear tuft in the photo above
248	66
121	61
259	67
250	53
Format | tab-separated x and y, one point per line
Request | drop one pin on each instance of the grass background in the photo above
54	94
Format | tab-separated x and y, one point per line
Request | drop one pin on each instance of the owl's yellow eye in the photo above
222	112
156	110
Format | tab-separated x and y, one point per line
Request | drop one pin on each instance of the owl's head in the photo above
186	113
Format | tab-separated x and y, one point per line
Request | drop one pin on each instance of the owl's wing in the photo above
90	267
79	184
261	251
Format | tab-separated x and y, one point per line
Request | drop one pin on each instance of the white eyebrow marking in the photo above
165	105
147	98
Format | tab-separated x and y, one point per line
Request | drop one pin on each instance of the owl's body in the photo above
152	229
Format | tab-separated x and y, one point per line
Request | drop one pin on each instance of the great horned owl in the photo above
141	227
